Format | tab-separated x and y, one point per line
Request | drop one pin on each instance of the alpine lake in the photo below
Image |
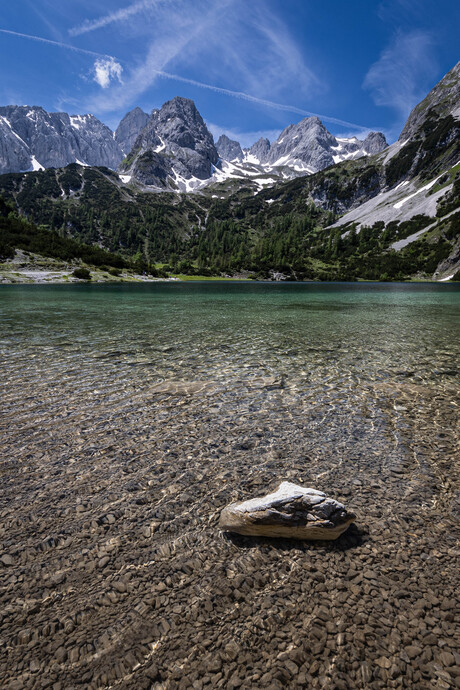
133	414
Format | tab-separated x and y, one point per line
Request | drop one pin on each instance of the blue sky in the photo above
251	66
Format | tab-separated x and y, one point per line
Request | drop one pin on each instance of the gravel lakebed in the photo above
131	418
114	574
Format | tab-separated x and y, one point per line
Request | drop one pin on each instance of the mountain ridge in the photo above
31	138
169	149
390	215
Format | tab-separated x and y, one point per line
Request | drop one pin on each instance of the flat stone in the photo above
291	511
413	651
61	654
103	562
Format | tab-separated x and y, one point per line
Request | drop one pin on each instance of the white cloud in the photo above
118	16
175	31
245	50
105	70
224	39
402	75
252	47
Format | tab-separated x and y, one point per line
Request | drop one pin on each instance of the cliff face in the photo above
129	129
170	149
229	149
174	147
442	101
31	138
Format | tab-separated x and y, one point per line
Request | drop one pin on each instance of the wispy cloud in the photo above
259	101
177	27
118	16
67	46
226	38
402	10
251	46
106	69
401	76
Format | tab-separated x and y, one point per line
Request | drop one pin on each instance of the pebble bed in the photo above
113	572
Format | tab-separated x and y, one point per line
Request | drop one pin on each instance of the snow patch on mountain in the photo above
36	165
53	139
301	149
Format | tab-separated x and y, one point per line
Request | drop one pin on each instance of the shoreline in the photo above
65	278
33	269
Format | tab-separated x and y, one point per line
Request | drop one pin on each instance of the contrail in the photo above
254	99
119	15
217	89
55	43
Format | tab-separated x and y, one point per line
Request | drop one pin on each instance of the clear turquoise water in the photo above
220	330
370	369
131	415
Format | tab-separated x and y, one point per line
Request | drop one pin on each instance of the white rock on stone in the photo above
292	511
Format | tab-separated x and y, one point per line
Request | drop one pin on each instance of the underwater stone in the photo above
292	511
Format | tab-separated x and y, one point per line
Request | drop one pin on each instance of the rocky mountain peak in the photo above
175	144
260	150
180	123
129	129
31	138
374	143
228	149
442	100
308	141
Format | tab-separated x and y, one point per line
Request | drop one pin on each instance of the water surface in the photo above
132	414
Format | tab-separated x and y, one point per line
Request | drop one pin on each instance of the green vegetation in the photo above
426	154
17	233
87	214
82	274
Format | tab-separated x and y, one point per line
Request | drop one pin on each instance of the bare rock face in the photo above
308	141
292	511
129	129
31	138
228	149
374	143
260	150
174	143
443	100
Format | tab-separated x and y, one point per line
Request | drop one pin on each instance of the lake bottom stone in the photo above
291	511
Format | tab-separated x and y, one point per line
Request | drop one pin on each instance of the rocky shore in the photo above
26	268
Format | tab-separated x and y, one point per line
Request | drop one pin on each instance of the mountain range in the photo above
33	139
169	149
281	208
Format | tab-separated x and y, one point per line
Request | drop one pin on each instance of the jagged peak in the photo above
179	104
443	100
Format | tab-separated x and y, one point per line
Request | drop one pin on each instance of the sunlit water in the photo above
128	409
334	352
340	370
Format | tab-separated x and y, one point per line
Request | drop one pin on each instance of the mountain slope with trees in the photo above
330	225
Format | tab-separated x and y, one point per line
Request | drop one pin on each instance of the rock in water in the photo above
292	511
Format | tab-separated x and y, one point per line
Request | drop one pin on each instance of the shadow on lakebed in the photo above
353	537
